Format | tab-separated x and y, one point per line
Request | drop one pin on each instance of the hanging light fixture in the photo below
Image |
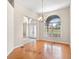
42	13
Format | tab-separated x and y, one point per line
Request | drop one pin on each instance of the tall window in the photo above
53	26
25	27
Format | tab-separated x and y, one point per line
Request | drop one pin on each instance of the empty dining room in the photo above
38	29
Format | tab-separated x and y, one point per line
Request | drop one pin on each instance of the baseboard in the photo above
10	51
61	42
19	45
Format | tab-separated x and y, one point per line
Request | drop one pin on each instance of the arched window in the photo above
53	26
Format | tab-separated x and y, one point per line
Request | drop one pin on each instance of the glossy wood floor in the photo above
41	50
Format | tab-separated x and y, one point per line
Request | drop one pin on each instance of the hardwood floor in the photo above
41	50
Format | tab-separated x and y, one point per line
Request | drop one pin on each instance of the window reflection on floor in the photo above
55	51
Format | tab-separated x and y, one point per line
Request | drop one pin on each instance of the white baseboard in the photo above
64	42
20	44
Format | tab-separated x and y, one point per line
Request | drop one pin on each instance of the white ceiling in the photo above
49	5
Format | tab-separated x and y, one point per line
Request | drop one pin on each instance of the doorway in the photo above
29	28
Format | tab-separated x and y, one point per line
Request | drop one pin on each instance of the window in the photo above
53	26
25	27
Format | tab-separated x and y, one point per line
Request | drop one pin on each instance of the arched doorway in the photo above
29	28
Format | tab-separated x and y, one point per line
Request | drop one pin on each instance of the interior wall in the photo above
15	25
19	13
64	14
10	28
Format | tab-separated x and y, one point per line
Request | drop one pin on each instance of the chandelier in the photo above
42	13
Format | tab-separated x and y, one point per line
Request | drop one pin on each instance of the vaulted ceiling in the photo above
48	5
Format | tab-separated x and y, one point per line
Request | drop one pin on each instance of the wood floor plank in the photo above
41	50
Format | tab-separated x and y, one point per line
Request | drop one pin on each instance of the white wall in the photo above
15	25
64	14
10	28
19	13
